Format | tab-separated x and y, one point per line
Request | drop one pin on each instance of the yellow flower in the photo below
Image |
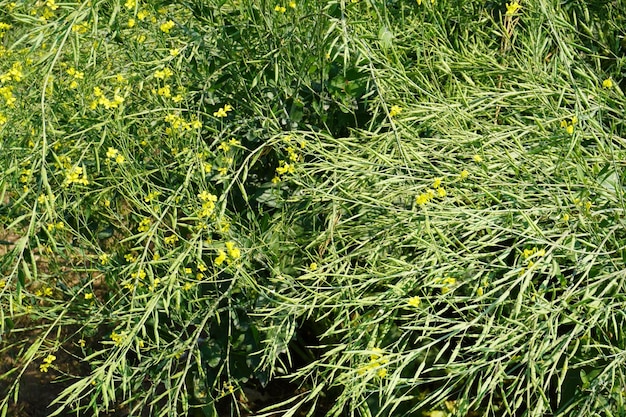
46	363
76	74
170	240
76	175
448	281
608	83
464	174
206	196
221	257
80	28
51	4
512	8
395	110
414	301
89	296
141	274
223	111
280	9
163	74
165	91
144	225
118	338
233	252
112	153
167	26
131	23
313	266
477	158
422	199
104	259
151	196
292	4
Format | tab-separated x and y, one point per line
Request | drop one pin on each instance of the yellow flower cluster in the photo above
529	255
178	123
171	239
568	125
45	292
233	254
118	338
283	168
414	301
115	155
76	175
223	111
6	92
14	74
512	8
55	226
141	274
377	362
534	252
153	195
104	259
225	146
447	282
288	167
46	363
208	204
144	225
233	251
76	75
431	193
167	26
101	99
395	110
81	28
3	28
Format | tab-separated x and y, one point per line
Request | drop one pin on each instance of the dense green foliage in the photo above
391	208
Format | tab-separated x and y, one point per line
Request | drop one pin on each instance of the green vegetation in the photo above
388	208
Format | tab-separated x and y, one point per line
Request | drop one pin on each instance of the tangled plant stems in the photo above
381	203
